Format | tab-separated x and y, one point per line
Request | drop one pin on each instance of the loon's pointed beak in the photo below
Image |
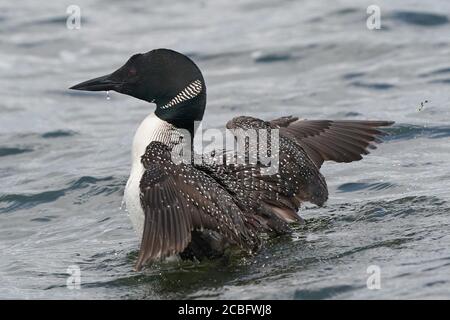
103	83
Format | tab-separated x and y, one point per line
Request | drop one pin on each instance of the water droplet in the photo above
107	95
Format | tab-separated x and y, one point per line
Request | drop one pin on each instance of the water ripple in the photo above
358	186
402	207
5	151
409	131
420	18
25	201
436	72
58	134
322	293
352	75
374	86
442	81
20	201
269	57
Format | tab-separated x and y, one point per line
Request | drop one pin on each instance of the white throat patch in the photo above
191	91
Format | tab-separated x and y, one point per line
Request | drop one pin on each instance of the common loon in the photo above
201	209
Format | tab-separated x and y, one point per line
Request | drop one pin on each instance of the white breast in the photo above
151	129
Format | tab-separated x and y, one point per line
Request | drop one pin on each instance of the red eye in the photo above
132	72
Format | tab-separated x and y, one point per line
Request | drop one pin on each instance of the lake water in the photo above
65	155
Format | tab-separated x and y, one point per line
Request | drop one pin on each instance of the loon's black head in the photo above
163	76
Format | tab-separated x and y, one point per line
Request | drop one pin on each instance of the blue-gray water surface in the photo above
65	155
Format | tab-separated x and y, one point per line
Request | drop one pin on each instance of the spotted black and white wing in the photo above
303	146
178	199
273	196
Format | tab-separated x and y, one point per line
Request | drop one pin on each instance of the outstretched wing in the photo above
328	140
273	195
303	146
178	199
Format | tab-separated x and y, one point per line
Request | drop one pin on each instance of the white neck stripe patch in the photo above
191	91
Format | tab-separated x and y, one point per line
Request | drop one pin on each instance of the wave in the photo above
58	134
423	19
374	86
5	151
409	131
358	186
13	202
323	293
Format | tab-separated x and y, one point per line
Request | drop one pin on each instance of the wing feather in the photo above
304	146
327	140
178	199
